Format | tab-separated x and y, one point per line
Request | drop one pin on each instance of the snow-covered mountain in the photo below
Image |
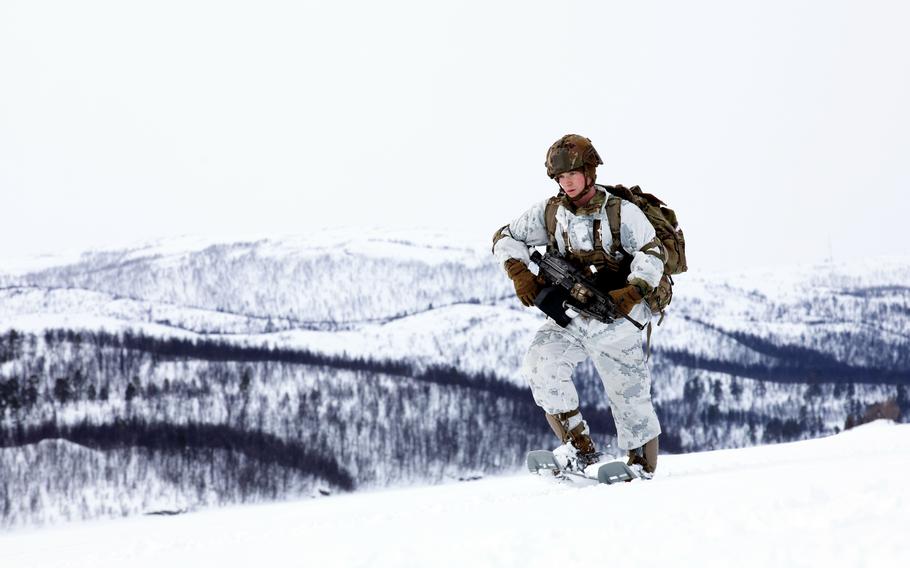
331	281
836	502
411	294
355	360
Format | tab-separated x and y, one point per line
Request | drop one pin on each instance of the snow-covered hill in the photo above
836	502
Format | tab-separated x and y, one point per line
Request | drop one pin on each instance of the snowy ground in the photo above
839	501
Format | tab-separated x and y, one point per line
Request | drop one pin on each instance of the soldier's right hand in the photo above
526	285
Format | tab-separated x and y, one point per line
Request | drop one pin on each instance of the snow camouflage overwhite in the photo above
614	348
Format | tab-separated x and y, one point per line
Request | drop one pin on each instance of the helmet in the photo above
572	152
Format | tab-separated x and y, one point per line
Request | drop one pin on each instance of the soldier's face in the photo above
573	183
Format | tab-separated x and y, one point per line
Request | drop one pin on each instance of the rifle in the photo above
569	289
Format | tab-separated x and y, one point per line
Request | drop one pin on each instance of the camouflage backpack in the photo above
665	225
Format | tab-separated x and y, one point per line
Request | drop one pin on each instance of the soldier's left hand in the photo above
626	298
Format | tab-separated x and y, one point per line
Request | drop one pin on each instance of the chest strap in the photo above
600	259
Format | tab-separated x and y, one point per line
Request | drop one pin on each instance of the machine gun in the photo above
569	289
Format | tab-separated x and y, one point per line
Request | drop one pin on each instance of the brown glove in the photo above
526	284
626	298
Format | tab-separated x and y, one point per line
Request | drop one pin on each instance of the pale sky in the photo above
778	130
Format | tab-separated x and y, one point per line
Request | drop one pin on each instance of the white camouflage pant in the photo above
617	354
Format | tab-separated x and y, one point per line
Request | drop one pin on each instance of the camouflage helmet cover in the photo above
571	152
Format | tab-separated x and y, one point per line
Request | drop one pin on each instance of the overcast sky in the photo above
778	130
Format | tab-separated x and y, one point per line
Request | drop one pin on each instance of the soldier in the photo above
585	218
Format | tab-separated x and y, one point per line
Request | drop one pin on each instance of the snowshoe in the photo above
546	463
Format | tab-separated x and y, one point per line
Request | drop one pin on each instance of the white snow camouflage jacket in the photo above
529	229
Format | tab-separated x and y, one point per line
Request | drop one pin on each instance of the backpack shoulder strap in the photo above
613	206
549	217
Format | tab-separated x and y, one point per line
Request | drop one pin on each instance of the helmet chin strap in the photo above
581	196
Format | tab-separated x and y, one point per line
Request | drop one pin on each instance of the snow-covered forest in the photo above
183	374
